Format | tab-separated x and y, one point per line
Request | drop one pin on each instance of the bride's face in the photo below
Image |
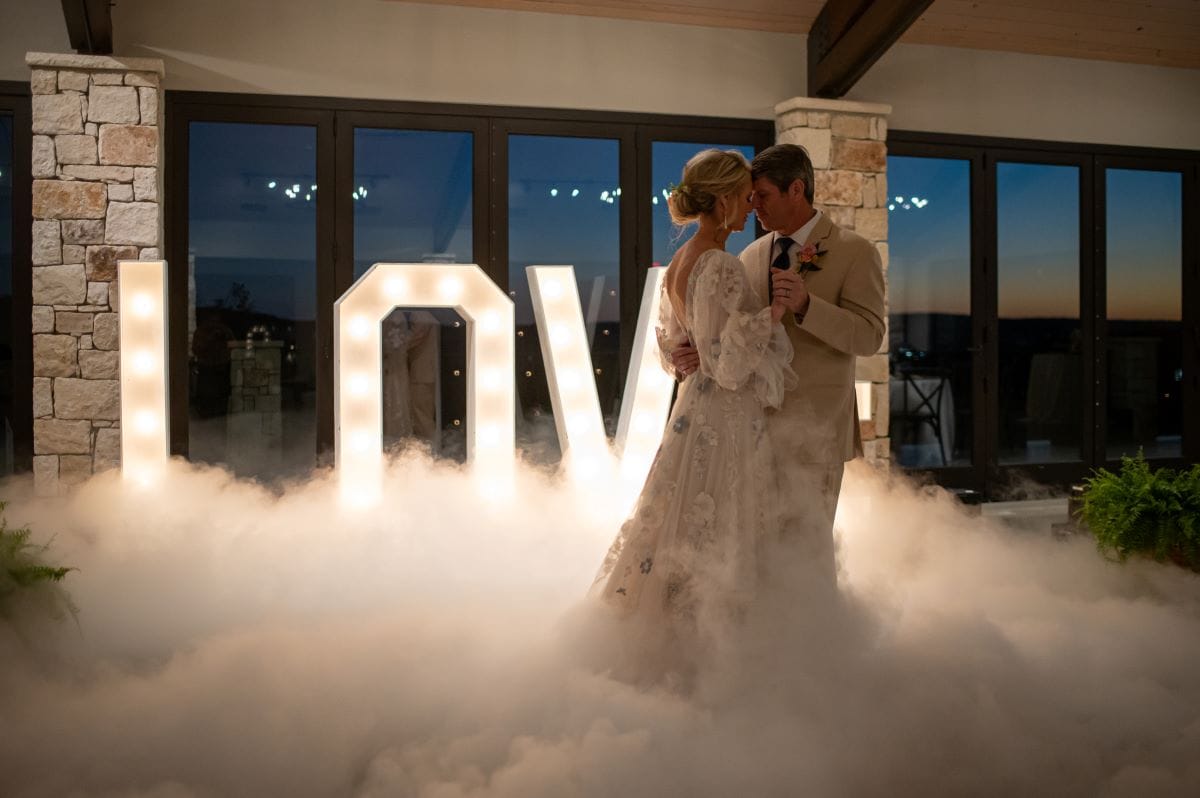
742	202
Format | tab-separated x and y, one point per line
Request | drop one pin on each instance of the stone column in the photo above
97	183
846	141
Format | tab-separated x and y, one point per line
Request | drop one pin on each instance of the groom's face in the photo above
777	210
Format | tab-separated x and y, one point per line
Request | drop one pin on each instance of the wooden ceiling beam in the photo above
89	26
848	36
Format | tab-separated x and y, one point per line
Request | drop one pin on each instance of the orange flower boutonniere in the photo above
809	255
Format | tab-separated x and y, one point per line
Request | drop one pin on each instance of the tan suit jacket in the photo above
818	422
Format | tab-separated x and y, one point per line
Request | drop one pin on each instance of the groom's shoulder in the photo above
850	241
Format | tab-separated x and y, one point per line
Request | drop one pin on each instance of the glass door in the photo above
933	354
566	204
252	297
1143	333
1042	405
412	198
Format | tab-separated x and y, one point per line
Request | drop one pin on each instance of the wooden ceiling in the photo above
1160	32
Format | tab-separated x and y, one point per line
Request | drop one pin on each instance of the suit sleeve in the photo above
854	324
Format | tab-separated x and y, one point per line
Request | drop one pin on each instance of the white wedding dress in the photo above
710	498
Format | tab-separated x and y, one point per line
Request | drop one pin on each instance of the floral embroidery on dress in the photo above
699	521
708	498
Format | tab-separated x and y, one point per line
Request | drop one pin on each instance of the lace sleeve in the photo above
737	343
667	331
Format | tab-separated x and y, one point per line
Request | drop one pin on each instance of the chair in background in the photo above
917	402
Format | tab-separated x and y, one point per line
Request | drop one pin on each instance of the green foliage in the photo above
1140	511
24	572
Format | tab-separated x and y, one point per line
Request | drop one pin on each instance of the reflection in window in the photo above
1040	339
424	381
564	209
929	284
6	297
1144	279
252	297
412	201
667	159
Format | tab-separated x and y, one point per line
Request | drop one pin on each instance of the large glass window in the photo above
929	307
6	294
1144	278
1040	337
252	297
412	201
667	159
564	209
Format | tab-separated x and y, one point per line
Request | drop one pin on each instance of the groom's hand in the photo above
685	359
789	289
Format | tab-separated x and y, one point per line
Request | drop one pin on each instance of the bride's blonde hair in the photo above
707	177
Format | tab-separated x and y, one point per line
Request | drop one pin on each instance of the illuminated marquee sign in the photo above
491	397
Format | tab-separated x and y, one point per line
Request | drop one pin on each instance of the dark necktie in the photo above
782	261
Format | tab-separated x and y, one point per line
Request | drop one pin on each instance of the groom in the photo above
831	281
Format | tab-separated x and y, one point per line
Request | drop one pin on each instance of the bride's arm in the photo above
736	345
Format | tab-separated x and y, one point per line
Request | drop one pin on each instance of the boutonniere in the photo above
809	255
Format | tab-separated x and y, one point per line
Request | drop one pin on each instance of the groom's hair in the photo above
783	164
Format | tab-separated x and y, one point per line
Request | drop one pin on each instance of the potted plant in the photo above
1154	513
25	575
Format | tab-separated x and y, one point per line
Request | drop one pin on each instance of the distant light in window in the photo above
553	192
654	200
603	196
271	184
574	192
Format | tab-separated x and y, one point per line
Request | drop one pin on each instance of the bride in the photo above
688	554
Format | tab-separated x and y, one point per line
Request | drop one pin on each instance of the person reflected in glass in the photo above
690	550
410	369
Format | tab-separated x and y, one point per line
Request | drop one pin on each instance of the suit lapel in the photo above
821	231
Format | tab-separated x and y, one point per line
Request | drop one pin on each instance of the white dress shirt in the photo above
800	236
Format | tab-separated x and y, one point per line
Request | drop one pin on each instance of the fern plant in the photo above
1138	510
24	572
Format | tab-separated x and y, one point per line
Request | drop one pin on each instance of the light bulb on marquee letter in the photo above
143	329
358	351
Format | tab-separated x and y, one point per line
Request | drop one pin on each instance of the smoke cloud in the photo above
235	641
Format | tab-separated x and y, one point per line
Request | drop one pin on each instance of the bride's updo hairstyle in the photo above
708	176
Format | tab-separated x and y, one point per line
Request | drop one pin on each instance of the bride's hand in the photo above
777	311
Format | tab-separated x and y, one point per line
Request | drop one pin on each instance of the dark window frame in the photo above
336	119
15	101
985	475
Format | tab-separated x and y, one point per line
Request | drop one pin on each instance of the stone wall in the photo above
846	141
97	183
